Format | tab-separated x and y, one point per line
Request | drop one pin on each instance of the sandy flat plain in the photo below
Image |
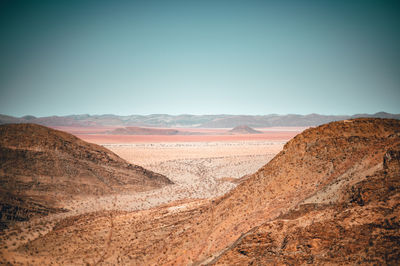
110	139
199	169
98	135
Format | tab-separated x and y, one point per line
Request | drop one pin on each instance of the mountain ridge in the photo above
192	121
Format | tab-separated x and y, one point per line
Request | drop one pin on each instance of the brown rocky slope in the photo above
40	166
314	165
361	227
331	196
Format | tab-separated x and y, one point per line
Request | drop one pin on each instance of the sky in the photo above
199	57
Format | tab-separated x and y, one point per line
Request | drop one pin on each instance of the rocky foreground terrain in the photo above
353	219
41	167
331	196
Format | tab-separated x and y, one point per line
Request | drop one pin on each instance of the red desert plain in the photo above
100	135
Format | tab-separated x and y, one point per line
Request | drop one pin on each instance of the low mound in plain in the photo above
330	196
40	166
151	131
243	129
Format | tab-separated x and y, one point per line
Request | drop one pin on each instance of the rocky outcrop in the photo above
361	228
313	167
22	208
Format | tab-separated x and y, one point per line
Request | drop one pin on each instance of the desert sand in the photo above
199	170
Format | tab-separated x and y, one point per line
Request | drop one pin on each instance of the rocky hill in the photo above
361	227
353	219
316	167
243	129
40	166
332	195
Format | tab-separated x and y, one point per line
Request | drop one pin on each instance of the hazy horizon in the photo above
211	114
199	57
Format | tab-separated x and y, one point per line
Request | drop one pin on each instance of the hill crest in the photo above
49	166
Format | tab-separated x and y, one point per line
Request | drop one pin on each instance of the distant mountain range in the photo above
201	121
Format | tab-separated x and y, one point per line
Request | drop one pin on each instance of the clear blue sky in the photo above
199	57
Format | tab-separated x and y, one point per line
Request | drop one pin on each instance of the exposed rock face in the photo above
312	168
243	130
331	196
363	227
15	207
46	165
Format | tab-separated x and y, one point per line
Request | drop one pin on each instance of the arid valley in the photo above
287	195
188	133
201	167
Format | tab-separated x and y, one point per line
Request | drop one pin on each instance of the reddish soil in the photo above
107	139
85	130
97	135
